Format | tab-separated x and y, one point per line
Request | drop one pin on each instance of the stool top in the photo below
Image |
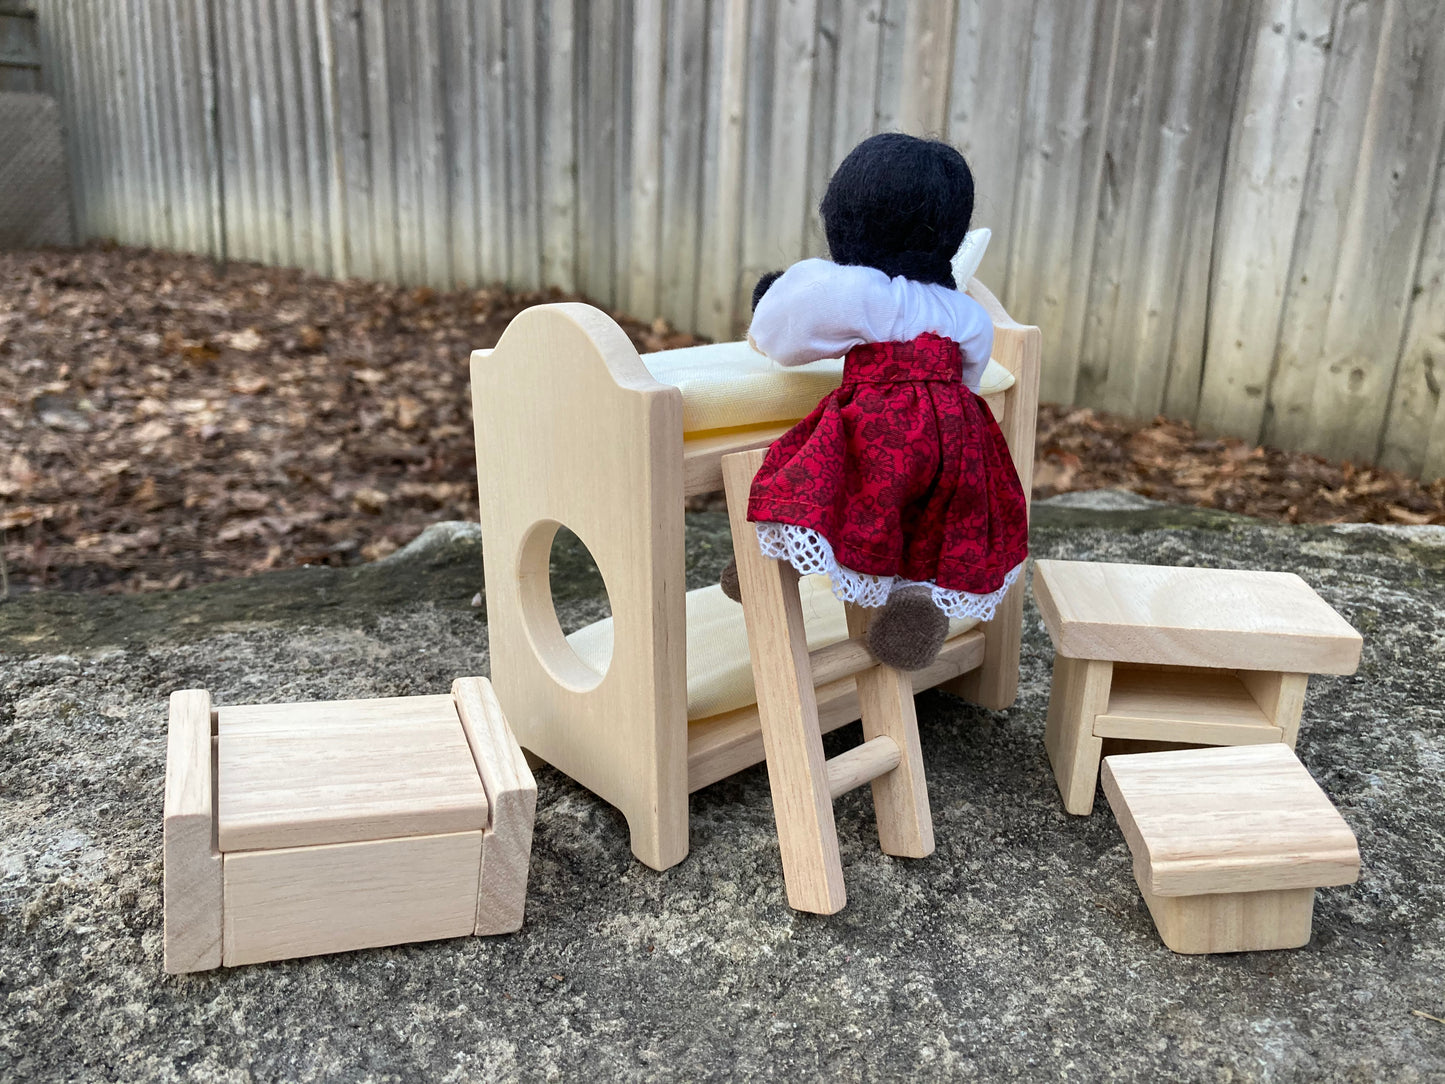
294	775
1244	818
1213	617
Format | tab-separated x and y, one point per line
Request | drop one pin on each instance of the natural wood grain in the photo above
843	659
1281	697
1192	617
1260	203
1078	693
608	459
1017	348
1233	921
683	90
900	796
192	861
722	170
702	454
985	107
1158	698
336	772
1367	196
603	456
512	800
787	709
726	744
861	764
1234	819
302	901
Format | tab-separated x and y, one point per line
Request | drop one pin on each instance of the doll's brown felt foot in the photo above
728	581
910	631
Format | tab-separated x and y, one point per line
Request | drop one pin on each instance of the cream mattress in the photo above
719	670
731	385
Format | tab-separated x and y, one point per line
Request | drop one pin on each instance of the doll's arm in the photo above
975	338
818	309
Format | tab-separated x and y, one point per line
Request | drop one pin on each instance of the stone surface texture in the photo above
1021	949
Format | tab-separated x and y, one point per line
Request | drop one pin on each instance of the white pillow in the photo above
970	255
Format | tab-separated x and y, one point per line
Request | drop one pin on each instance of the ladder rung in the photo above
862	764
843	659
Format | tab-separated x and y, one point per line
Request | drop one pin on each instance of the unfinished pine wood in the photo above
1281	697
602	455
1078	693
1211	708
702	454
787	709
605	455
1229	844
726	744
1233	819
512	802
1233	921
900	796
1211	617
1016	347
334	772
192	860
862	764
303	901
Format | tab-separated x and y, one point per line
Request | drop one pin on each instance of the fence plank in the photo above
460	140
521	154
494	105
1070	77
1332	386
928	52
407	140
786	202
888	92
432	175
1260	208
820	124
723	171
349	137
1413	439
681	157
557	151
860	31
649	62
598	133
985	121
315	144
376	45
1126	174
1222	210
286	34
1182	366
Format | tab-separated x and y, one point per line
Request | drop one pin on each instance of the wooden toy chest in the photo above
298	829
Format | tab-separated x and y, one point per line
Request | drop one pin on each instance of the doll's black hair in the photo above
900	204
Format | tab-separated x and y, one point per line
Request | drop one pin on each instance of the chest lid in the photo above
296	775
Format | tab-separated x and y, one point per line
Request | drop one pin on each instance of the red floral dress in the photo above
900	476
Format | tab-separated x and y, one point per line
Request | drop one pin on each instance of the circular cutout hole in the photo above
563	592
579	593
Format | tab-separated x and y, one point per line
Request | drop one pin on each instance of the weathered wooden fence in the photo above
1225	211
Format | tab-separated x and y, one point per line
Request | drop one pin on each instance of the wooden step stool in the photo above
1229	844
786	675
298	829
1200	656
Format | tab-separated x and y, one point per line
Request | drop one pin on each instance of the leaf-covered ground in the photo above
164	422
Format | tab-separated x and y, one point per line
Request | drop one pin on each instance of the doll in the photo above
898	485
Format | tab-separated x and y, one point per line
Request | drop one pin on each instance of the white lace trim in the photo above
809	552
